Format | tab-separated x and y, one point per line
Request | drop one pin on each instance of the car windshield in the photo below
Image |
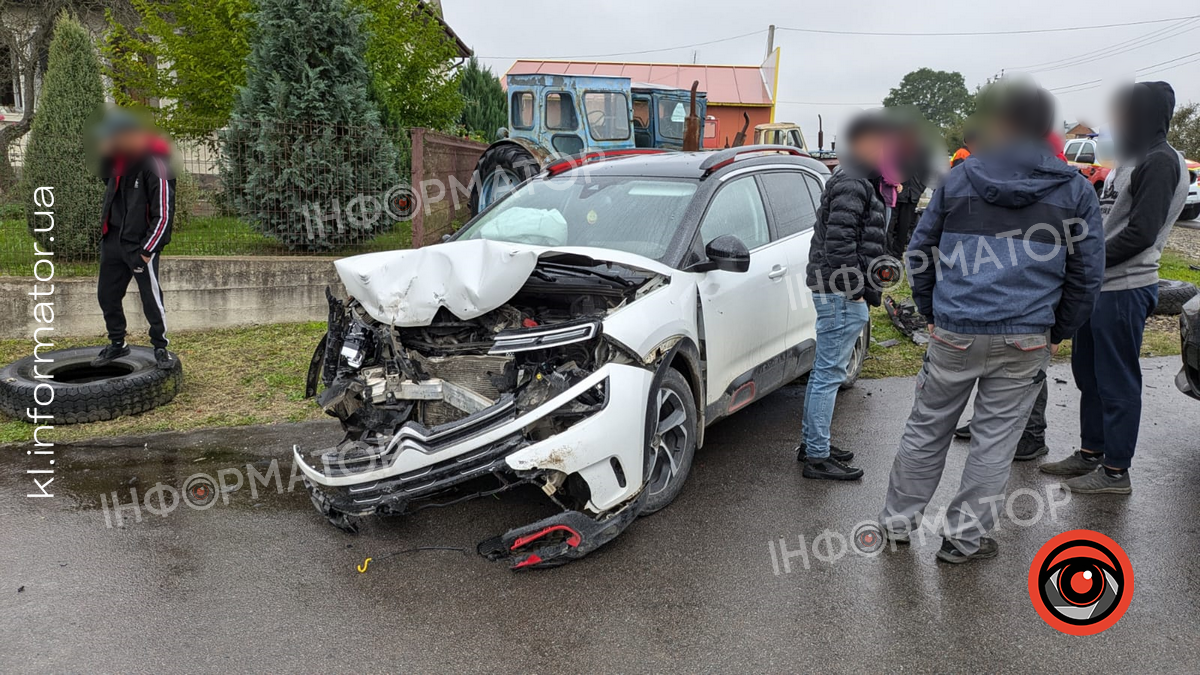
637	215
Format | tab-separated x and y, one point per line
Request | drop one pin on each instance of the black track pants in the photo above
116	269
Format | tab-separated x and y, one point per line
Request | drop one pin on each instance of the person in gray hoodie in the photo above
1142	198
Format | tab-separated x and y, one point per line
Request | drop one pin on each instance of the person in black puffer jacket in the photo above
848	244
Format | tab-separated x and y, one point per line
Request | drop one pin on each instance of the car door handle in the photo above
777	272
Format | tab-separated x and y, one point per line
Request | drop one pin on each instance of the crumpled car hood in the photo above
407	288
469	278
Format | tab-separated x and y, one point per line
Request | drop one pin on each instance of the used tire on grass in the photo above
130	385
1173	295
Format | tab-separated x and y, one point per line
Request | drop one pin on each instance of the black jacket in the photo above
850	235
139	203
1156	176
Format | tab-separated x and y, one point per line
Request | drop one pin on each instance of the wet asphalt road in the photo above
265	585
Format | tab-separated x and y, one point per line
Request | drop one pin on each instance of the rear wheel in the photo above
857	358
1190	212
672	442
500	170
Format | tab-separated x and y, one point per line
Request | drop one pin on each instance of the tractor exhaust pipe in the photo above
691	126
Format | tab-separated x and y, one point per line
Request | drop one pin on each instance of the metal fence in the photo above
291	189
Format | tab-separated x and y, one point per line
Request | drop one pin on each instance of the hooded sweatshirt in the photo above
1011	243
1145	193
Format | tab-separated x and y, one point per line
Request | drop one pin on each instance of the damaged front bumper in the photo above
420	467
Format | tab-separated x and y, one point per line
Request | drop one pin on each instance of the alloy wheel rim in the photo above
669	442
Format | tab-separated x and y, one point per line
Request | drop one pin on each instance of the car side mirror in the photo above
1086	158
726	253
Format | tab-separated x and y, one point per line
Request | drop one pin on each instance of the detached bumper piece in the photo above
557	540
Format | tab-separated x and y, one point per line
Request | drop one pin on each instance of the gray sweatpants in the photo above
1009	370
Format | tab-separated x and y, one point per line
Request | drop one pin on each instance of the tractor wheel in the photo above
130	385
500	169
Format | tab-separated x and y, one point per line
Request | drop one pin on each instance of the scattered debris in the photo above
907	319
888	344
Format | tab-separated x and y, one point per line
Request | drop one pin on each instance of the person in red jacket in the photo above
139	208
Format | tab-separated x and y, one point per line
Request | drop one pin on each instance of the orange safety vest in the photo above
959	156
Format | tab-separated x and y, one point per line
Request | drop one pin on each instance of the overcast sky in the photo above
834	75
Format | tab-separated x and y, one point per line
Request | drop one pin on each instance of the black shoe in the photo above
1027	450
164	359
830	469
109	354
834	452
963	433
988	548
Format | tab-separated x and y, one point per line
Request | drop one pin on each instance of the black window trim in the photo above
725	182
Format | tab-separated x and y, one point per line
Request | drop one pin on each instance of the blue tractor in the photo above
557	116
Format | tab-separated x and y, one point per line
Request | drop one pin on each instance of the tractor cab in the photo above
560	115
555	116
659	115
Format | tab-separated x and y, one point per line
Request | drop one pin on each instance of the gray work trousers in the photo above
1009	371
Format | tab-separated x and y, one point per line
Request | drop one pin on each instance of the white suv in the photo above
578	335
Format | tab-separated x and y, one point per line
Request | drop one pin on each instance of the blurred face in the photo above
869	148
132	142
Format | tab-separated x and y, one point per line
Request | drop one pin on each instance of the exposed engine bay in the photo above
423	388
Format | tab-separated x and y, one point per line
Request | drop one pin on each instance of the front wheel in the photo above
672	442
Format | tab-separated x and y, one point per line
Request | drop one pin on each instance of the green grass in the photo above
232	377
1161	337
211	235
1175	265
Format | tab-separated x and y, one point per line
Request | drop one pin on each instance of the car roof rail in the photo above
575	162
723	158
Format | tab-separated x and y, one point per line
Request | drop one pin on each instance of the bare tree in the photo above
26	27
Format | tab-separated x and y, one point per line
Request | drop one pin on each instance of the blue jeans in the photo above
1105	360
839	323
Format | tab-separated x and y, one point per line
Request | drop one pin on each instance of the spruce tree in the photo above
71	100
485	108
305	144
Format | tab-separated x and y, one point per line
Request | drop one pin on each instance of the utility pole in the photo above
770	40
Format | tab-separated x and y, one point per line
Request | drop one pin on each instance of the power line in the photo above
633	53
1067	29
1112	50
1140	72
1162	63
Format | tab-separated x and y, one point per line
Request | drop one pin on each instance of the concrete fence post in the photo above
418	176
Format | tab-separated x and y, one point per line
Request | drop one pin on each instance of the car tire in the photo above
130	385
1173	295
502	158
857	358
672	440
1190	212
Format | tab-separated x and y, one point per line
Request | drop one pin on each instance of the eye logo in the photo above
1081	582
